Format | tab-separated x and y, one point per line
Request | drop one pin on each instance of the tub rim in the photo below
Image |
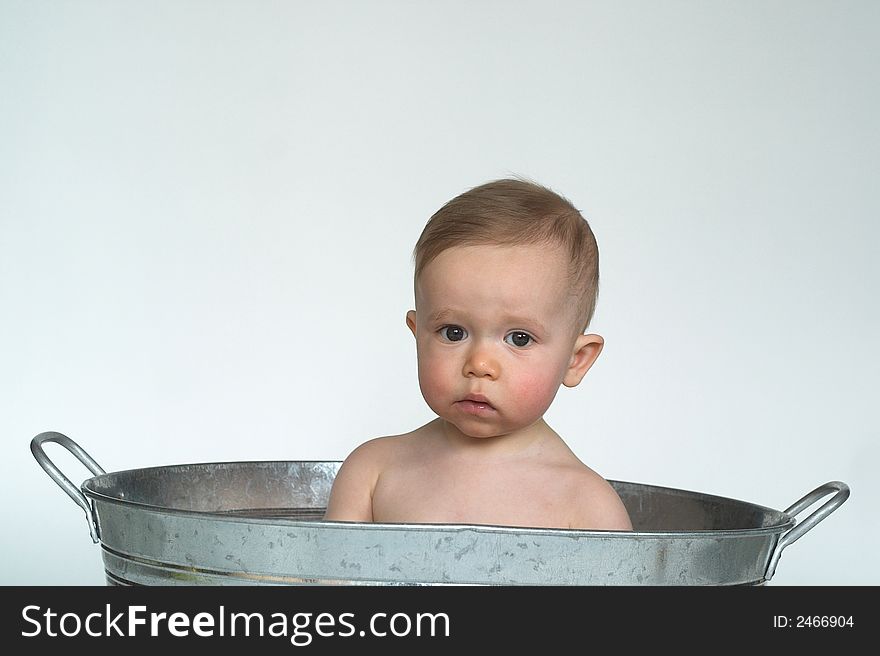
788	521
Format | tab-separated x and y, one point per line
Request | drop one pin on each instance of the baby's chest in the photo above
475	498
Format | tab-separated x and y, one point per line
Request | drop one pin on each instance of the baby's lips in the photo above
470	406
478	398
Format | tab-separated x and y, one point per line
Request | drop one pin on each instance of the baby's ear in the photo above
586	349
411	321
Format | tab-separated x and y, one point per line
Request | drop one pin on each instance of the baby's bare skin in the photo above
429	476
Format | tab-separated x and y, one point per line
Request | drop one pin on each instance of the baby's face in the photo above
495	334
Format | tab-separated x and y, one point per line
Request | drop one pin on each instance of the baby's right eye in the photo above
453	333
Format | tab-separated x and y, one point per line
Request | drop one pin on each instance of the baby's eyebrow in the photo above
440	315
527	322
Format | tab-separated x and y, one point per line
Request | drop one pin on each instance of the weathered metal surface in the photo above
259	523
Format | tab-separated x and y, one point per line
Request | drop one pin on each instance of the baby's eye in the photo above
453	333
518	339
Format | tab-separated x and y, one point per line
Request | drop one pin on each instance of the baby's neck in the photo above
518	443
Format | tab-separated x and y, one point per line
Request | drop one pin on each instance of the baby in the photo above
506	278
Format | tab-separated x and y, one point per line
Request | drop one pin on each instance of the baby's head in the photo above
506	280
516	212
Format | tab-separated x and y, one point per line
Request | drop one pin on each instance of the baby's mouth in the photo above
475	404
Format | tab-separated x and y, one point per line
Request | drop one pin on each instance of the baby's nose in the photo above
480	363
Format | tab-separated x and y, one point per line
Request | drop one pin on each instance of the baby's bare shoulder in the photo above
594	502
380	453
352	491
386	446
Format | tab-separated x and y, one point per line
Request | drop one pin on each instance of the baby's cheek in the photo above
534	393
433	379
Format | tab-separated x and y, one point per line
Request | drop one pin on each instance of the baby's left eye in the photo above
518	339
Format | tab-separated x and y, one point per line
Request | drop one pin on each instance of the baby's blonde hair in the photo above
514	212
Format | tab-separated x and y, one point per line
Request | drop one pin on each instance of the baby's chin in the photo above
477	429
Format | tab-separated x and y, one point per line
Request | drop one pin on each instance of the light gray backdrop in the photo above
207	211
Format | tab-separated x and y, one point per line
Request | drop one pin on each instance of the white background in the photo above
207	211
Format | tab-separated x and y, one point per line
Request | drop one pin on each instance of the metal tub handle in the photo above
49	467
842	490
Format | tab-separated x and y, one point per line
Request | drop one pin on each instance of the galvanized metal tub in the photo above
256	523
